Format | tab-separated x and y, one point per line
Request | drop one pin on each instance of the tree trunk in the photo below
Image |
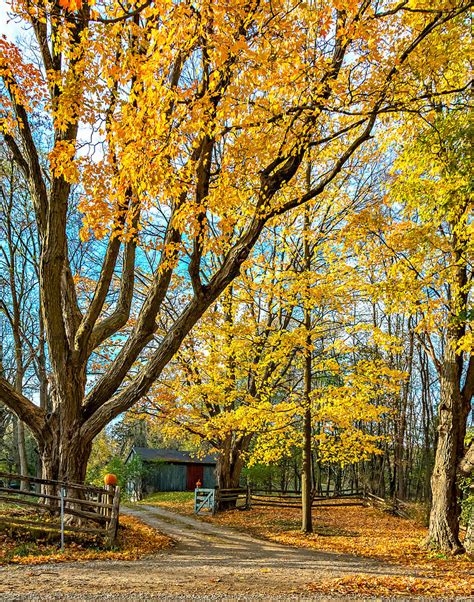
445	510
399	482
64	449
469	539
22	454
306	519
230	464
306	501
228	472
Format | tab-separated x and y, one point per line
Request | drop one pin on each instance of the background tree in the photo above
19	299
424	236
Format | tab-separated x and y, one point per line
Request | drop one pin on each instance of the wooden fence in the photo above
58	503
245	498
236	498
292	499
393	505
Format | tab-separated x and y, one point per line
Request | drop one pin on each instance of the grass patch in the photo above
181	502
171	497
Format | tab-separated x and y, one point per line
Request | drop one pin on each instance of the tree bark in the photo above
445	510
469	539
230	464
454	407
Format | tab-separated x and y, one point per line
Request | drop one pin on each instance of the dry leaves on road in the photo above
367	585
363	531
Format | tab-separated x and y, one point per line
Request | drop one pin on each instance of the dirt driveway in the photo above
207	563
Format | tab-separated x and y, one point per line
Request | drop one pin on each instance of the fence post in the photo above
114	518
62	495
248	499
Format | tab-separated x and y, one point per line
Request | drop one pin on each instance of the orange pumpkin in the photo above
110	479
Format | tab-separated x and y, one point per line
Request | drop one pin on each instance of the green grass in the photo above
30	549
173	497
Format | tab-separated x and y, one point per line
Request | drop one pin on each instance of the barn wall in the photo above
166	477
209	480
163	476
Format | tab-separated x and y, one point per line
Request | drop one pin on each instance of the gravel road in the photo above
207	563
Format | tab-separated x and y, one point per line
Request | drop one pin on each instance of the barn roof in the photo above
171	455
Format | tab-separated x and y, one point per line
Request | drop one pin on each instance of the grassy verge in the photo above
21	545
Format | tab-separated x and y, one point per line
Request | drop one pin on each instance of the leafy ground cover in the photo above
362	531
21	545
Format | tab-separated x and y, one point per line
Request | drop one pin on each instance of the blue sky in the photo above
7	26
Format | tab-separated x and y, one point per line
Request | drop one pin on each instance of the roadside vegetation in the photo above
24	545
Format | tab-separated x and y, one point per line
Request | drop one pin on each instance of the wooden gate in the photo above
204	499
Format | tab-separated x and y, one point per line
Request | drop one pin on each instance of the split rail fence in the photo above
292	499
59	504
245	498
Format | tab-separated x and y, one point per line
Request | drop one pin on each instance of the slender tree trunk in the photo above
399	477
20	431
22	454
42	373
427	422
306	501
16	291
306	519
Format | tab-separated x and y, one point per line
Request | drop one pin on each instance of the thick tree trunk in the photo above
230	464
228	472
63	460
445	510
64	449
469	539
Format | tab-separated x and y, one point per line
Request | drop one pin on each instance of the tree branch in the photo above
27	412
